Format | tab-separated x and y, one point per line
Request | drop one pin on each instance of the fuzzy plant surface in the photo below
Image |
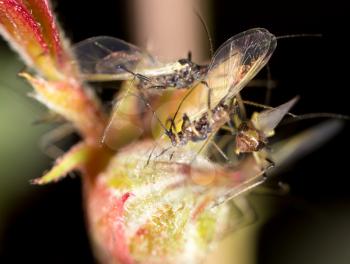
139	210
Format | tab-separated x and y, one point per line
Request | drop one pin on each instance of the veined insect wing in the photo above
238	60
125	122
108	55
233	65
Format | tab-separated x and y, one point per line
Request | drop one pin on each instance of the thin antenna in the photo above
206	30
297	118
299	36
181	103
148	105
220	151
265	107
136	75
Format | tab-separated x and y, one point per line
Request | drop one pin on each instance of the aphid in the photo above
106	58
109	59
235	63
252	135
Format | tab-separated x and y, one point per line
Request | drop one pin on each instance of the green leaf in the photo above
74	159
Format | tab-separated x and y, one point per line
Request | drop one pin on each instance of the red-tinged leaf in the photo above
30	28
73	103
24	34
40	10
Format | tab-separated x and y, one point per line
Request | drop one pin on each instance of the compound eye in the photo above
261	145
183	61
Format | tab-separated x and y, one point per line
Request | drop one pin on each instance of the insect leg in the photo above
148	105
143	78
136	75
209	99
171	155
142	96
209	94
163	151
154	148
172	124
186	123
234	116
150	154
240	104
182	101
202	147
220	150
246	186
210	113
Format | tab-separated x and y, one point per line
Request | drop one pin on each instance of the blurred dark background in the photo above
309	225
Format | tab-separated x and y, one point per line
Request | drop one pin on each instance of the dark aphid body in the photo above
250	136
188	75
234	64
200	129
110	59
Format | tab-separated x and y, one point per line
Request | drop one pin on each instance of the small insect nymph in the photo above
252	135
249	139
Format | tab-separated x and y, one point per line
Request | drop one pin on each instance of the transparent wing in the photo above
234	64
103	58
125	124
238	60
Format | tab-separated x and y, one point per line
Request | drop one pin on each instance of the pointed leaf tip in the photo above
268	120
74	159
